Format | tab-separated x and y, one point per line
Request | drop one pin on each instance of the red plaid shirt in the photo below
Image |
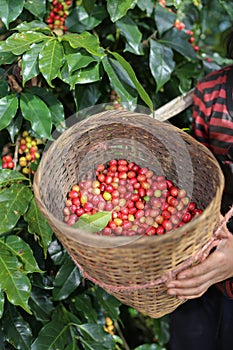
213	127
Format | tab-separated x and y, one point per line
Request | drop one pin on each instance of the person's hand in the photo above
218	266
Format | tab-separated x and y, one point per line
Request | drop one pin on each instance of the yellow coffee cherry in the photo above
25	171
25	133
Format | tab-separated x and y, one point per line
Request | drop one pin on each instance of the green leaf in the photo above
14	202
93	223
118	8
164	19
18	43
149	347
17	329
34	26
6	57
55	106
178	41
13	282
97	333
81	20
8	109
15	126
84	75
120	81
41	304
146	5
38	225
66	281
79	60
30	66
51	59
88	5
4	87
56	252
2	301
161	63
54	335
20	249
130	31
87	95
85	40
10	10
8	176
109	303
36	7
143	94
36	111
83	304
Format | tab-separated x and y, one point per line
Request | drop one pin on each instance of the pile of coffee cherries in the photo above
141	202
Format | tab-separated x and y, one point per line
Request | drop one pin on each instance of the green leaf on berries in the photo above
8	176
38	225
51	59
10	10
36	111
93	223
8	109
14	202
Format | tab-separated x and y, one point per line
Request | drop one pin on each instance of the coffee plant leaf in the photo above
51	59
85	75
6	57
109	303
20	249
15	126
93	223
8	176
30	66
56	252
146	5
88	5
83	304
4	87
17	329
37	112
97	333
84	40
132	34
35	26
14	202
2	301
178	41
123	86
87	95
54	335
18	43
36	7
79	60
128	68
38	225
150	347
67	280
41	304
10	10
8	109
164	19
118	8
161	63
80	20
13	280
54	104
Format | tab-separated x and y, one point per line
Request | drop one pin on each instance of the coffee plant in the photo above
57	58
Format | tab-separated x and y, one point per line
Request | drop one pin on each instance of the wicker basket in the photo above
134	269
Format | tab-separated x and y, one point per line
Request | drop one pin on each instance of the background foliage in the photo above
131	52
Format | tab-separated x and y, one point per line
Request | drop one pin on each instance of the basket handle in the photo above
174	107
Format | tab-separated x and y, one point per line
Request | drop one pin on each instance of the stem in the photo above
126	346
15	160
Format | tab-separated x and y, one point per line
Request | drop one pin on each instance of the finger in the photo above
188	293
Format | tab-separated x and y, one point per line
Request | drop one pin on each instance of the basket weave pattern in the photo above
121	262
